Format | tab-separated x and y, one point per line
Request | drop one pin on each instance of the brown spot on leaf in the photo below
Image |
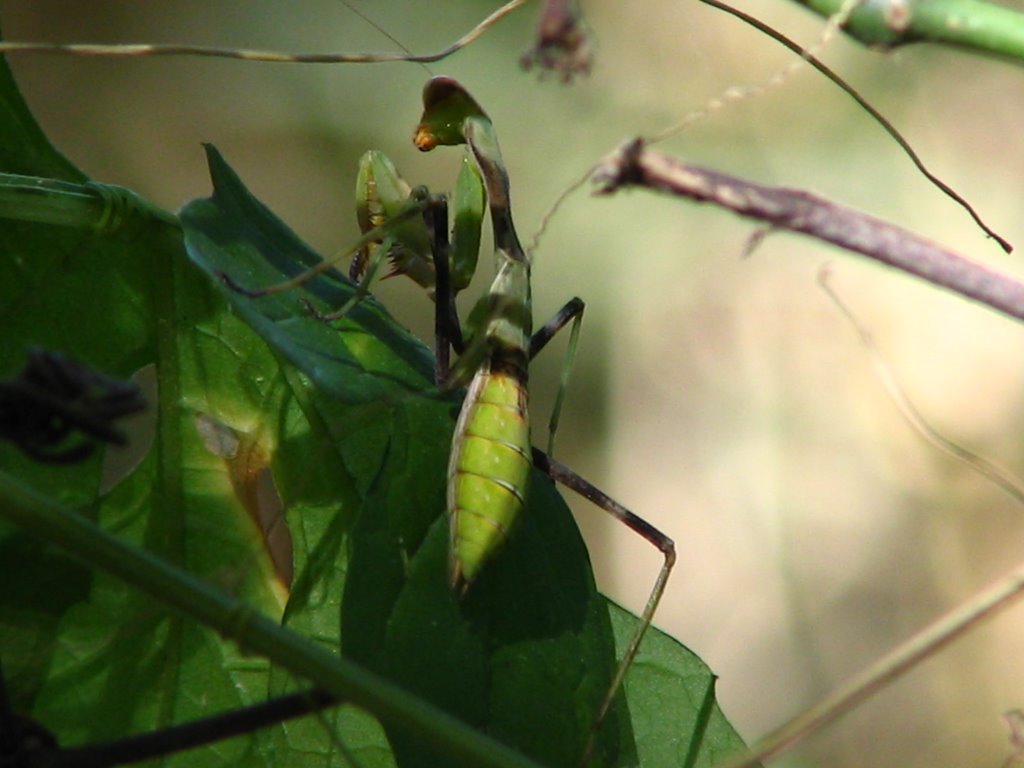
247	459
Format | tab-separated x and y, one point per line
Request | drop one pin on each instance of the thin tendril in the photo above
380	28
279	57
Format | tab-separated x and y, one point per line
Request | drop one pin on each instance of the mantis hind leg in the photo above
567	477
572	311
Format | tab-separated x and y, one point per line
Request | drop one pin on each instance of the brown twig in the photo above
799	211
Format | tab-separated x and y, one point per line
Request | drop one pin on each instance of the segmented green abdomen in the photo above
489	468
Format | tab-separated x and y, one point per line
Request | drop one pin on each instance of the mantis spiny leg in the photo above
413	208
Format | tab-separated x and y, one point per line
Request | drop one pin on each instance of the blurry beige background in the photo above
722	398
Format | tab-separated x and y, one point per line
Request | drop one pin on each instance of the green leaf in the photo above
671	692
24	148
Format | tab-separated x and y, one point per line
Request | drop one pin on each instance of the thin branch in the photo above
917	422
810	57
191	735
737	93
986	603
148	49
798	211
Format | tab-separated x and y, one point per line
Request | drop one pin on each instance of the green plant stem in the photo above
103	208
234	619
973	24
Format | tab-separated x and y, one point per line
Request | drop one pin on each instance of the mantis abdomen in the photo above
489	467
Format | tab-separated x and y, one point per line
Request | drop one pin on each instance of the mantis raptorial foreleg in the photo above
412	209
394	220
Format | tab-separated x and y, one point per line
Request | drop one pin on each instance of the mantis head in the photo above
446	107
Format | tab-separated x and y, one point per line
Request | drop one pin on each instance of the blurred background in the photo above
723	398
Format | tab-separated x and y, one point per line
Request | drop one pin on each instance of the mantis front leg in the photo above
412	210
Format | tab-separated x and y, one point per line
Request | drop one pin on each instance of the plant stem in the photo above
973	24
104	208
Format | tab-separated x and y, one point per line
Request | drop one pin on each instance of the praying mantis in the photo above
491	452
